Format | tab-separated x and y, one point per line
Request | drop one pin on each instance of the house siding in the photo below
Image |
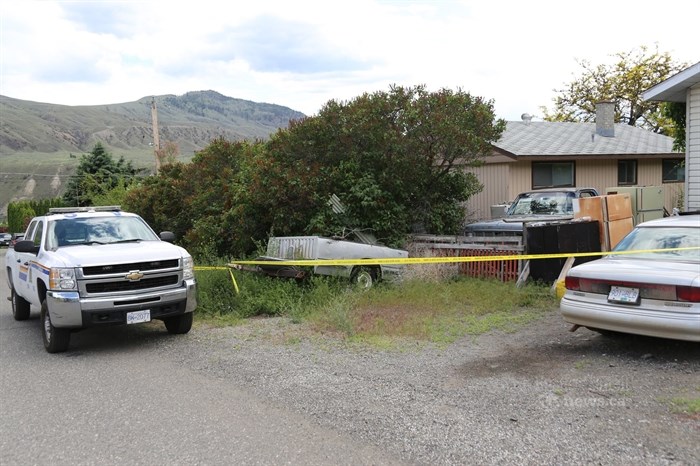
503	181
692	165
520	178
602	174
494	177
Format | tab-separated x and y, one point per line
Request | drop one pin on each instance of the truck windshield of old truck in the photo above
546	203
97	230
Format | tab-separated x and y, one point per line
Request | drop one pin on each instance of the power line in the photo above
42	175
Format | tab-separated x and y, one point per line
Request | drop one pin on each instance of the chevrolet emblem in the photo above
134	276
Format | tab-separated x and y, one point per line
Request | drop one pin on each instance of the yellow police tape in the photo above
230	272
444	260
427	260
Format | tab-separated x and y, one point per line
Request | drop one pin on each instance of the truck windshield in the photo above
545	203
97	230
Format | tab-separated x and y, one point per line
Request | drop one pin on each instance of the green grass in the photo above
684	405
438	312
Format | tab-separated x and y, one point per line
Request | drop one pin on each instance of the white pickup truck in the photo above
87	267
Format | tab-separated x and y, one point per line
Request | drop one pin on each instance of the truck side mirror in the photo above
26	246
168	236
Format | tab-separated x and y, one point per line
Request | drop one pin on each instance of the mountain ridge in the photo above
40	143
190	120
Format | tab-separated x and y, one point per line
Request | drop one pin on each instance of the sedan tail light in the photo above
572	283
688	293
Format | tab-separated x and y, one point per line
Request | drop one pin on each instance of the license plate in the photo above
138	317
621	294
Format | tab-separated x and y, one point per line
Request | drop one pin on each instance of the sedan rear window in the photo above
651	238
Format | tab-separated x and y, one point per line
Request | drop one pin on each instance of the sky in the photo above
302	54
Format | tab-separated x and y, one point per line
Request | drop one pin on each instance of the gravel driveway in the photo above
541	395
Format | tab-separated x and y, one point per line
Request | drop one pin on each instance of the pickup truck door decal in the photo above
23	269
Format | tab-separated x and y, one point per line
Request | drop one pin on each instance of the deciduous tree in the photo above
623	81
391	157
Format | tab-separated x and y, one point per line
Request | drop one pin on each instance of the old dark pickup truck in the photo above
531	206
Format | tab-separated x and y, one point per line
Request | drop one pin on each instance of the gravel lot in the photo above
541	395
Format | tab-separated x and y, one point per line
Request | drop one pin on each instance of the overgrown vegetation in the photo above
393	158
419	310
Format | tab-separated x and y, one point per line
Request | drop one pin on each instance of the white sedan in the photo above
646	292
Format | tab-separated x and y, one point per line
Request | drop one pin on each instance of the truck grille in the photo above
125	268
111	287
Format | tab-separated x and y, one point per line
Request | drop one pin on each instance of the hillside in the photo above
190	120
40	143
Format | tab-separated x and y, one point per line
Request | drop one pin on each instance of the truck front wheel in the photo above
20	306
178	325
55	339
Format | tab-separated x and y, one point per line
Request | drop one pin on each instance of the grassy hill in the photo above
40	143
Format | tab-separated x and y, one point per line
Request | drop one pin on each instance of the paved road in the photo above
120	396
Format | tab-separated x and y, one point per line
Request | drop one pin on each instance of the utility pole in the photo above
156	138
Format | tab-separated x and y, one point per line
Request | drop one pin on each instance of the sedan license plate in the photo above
621	294
138	317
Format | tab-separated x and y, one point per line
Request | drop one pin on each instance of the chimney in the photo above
605	119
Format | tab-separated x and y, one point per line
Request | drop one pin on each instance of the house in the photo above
685	87
541	154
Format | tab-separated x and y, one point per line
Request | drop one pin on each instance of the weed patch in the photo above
689	406
436	311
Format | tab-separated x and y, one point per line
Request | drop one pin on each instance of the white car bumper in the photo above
676	320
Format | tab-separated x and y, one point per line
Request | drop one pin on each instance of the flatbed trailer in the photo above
283	248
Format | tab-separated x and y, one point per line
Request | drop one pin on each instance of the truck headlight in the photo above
62	279
187	268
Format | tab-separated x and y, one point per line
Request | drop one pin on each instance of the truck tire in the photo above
20	306
56	340
178	325
363	277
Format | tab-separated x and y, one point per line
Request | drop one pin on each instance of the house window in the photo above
672	170
552	174
626	172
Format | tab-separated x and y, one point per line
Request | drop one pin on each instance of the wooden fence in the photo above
462	246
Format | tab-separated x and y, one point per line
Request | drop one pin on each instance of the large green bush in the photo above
395	159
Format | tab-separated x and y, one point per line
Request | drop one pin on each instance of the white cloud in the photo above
302	54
